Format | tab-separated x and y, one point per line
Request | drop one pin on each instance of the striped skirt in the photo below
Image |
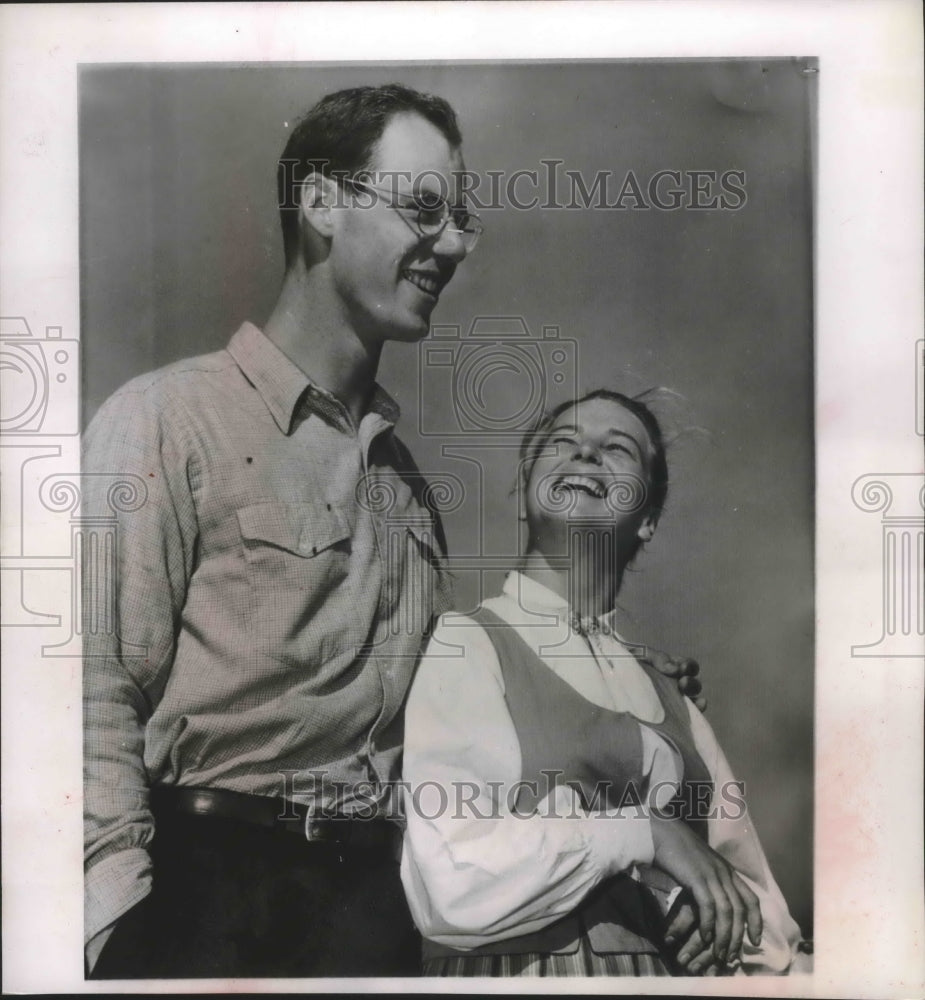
583	962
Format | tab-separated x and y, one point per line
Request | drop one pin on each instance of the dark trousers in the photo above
233	900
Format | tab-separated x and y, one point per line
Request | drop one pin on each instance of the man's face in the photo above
387	275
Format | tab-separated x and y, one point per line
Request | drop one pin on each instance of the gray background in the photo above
180	243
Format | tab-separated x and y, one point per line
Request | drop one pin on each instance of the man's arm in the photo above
132	602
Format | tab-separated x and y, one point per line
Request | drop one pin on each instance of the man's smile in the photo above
427	281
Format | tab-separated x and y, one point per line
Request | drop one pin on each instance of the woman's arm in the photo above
473	870
732	835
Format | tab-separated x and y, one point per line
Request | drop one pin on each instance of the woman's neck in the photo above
590	585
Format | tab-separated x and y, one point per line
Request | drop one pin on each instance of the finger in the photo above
753	918
689	667
662	662
706	908
701	703
733	888
693	947
723	916
701	962
681	925
690	686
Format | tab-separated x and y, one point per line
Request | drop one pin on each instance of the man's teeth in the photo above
584	483
425	282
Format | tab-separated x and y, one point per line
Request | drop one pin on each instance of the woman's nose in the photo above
588	452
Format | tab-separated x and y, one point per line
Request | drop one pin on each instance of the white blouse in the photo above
477	872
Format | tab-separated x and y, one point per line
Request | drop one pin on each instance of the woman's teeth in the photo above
583	483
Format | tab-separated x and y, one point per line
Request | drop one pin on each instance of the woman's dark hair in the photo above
337	136
533	440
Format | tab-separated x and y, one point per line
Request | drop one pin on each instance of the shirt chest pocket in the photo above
297	555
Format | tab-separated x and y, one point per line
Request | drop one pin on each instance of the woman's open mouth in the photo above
580	484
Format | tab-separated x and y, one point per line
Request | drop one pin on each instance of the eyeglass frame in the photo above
416	227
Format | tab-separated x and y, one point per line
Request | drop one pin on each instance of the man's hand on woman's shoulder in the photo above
685	670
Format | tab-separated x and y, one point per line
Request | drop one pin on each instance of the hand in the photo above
725	904
692	956
684	670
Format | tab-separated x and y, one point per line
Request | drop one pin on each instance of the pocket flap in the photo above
304	529
424	529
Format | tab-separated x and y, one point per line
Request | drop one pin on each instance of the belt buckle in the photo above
325	831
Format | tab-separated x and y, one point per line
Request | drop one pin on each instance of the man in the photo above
245	668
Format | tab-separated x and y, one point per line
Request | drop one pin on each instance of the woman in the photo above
569	812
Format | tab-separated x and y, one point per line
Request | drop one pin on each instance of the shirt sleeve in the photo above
137	551
732	835
474	869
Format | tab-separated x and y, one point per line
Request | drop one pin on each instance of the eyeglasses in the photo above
431	214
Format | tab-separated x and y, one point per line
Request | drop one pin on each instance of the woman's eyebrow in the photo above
613	432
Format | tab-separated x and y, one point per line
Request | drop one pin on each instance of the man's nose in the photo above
450	244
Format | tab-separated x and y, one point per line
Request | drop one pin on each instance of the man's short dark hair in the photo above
337	136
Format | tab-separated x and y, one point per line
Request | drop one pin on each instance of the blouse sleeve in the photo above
732	835
474	869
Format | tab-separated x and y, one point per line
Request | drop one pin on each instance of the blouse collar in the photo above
537	597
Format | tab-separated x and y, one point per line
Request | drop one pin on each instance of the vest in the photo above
566	739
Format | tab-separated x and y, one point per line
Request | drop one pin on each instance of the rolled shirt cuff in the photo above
113	886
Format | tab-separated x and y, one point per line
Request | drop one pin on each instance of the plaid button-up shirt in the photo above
255	624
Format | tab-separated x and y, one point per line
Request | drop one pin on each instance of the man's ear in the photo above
647	529
316	197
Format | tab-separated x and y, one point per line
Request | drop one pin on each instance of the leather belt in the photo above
278	814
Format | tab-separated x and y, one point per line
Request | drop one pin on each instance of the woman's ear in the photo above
519	490
316	197
647	529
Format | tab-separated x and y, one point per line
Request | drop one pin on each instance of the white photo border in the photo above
869	929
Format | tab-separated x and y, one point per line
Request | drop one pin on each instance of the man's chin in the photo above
408	328
414	328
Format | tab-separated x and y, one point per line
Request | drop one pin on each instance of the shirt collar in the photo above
283	386
536	597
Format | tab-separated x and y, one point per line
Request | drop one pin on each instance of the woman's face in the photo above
593	466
